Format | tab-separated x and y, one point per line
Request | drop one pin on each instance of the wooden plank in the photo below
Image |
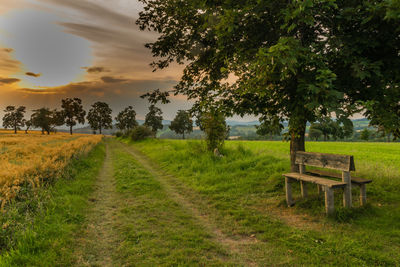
329	201
363	195
288	187
324	160
315	180
346	178
319	187
354	180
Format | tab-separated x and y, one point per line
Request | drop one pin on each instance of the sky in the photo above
91	49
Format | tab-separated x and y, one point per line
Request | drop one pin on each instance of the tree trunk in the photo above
70	129
183	136
15	129
100	129
296	144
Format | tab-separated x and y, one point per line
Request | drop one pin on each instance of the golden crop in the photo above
33	158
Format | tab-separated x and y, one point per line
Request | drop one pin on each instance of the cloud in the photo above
95	69
109	79
33	74
9	80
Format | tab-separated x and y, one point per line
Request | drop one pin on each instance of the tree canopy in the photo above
47	119
126	119
299	61
154	119
182	123
14	118
73	112
99	116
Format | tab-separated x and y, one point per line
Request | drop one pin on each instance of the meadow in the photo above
243	193
29	160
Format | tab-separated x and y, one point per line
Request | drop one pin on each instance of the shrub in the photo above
119	134
140	133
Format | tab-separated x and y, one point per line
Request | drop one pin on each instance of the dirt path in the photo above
238	246
98	239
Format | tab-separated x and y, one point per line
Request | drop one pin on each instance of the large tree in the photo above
182	123
47	119
99	116
154	119
14	118
73	112
299	61
126	119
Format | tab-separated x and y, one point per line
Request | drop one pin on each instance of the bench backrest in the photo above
324	160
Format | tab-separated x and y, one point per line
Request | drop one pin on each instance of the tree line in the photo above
98	117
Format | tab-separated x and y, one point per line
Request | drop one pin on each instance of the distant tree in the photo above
182	123
314	132
99	116
73	112
269	127
365	134
126	119
47	119
154	119
14	118
214	125
334	129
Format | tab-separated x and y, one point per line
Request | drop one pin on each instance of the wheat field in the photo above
33	158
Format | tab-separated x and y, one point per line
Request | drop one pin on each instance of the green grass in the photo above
39	228
244	190
153	229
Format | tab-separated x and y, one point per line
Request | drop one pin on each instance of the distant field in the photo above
30	159
244	192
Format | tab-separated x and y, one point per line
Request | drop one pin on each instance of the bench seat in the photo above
354	180
315	180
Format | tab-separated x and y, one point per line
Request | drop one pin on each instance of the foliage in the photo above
182	123
298	62
141	132
154	119
47	119
126	119
329	128
32	159
269	127
365	134
214	126
314	133
99	116
14	118
73	112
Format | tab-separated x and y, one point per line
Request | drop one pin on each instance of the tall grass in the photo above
245	190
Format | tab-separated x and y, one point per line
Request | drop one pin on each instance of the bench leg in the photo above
329	201
288	187
347	190
320	190
303	186
363	195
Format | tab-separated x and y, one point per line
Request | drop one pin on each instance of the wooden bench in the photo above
342	163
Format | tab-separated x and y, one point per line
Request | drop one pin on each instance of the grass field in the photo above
171	203
28	160
243	191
